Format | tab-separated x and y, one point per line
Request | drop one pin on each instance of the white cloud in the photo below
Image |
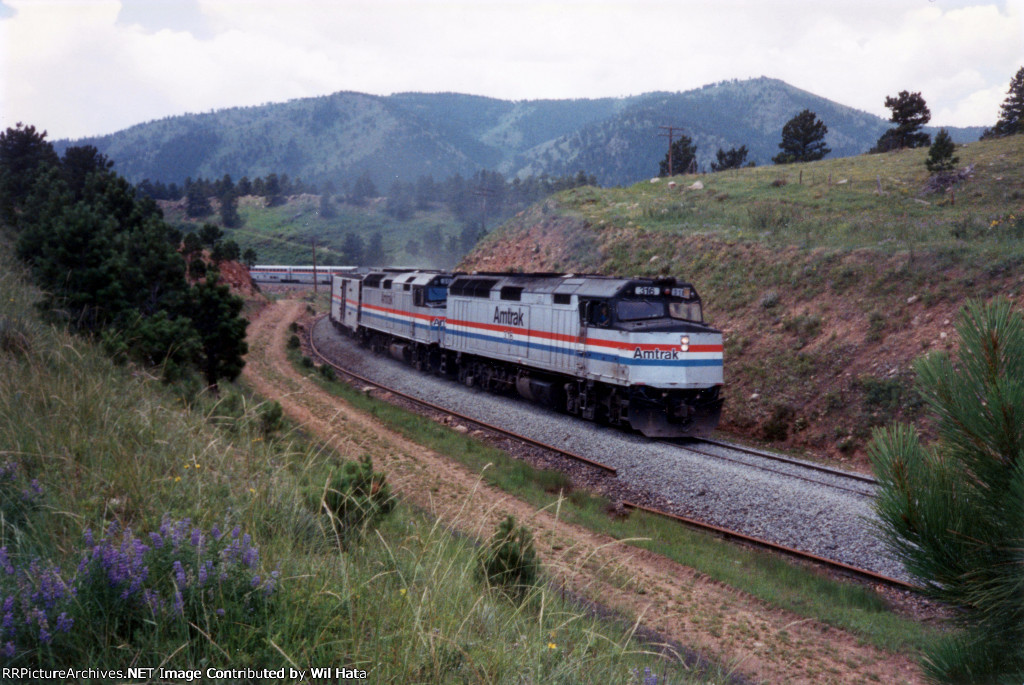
74	68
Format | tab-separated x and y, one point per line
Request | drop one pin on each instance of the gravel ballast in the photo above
778	502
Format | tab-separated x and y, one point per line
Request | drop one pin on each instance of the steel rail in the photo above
693	523
483	424
774	546
789	460
786	474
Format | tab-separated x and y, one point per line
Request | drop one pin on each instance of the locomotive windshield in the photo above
642	310
685	311
437	293
678	301
639	310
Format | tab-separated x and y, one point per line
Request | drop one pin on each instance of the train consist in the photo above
624	351
264	273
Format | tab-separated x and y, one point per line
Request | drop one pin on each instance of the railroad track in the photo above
835	476
462	417
832	564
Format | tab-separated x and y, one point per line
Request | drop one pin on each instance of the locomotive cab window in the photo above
686	311
429	296
596	313
639	310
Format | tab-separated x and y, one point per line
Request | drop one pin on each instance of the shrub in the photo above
327	372
881	394
776	428
293	342
770	299
271	418
357	495
768	216
509	560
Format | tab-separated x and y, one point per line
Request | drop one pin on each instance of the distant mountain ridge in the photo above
400	137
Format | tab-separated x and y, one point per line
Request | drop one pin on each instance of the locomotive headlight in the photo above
684	343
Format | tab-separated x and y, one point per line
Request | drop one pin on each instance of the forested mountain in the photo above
341	137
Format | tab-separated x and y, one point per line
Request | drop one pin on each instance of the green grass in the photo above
818	273
767	577
830	203
285	234
113	444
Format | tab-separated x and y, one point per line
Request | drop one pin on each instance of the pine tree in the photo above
953	511
733	158
940	155
910	114
684	156
803	139
1011	116
24	153
216	317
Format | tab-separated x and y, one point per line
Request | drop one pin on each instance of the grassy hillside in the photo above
827	278
285	234
150	525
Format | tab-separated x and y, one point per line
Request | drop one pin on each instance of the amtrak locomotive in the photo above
624	351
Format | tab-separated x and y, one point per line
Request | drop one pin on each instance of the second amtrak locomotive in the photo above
625	351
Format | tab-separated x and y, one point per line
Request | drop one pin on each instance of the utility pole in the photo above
315	279
671	132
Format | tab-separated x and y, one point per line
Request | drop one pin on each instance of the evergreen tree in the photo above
78	163
940	154
198	202
910	114
24	153
216	317
953	511
327	210
734	158
210	235
803	139
375	254
249	258
229	215
362	190
273	191
1011	112
683	155
352	249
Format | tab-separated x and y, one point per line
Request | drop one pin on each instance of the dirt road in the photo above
741	632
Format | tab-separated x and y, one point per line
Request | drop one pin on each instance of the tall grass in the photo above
112	463
765	576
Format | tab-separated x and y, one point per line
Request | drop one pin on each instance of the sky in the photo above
77	68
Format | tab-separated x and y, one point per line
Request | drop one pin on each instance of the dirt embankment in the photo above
819	345
763	643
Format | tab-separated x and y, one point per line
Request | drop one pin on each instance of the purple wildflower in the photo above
220	612
8	650
179	574
197	537
157	540
215	532
5	562
178	605
64	622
